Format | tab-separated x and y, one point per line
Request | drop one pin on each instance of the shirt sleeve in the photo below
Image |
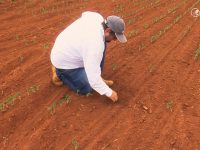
92	57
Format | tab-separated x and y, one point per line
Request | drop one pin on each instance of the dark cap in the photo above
117	25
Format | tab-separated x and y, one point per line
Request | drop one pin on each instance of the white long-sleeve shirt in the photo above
81	45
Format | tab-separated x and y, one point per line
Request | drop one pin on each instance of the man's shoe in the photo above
56	81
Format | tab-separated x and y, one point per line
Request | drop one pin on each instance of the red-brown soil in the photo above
158	83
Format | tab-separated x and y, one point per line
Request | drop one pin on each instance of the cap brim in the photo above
121	37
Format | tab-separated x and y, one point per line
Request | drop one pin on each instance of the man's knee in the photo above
85	90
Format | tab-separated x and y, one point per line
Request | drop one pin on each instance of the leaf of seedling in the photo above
52	108
17	37
169	104
21	58
65	99
10	100
75	144
45	46
153	38
197	53
2	106
44	10
151	68
146	25
32	89
114	67
141	46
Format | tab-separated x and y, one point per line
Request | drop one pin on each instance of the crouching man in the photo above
79	52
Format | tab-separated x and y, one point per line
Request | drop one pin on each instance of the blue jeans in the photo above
76	79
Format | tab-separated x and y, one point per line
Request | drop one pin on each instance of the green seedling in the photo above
2	106
153	38
146	25
32	89
133	33
151	68
177	18
11	99
169	105
131	21
155	20
119	8
17	37
45	46
52	108
75	144
21	58
114	67
44	10
65	99
197	53
141	46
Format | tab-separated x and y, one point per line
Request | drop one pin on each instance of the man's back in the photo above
82	36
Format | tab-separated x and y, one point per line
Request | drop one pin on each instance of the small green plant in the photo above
45	46
146	25
9	101
133	33
169	104
21	58
197	53
119	8
52	108
131	21
177	18
75	144
114	67
17	37
141	46
65	99
32	89
151	68
2	106
44	10
153	38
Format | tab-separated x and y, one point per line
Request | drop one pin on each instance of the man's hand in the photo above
114	96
